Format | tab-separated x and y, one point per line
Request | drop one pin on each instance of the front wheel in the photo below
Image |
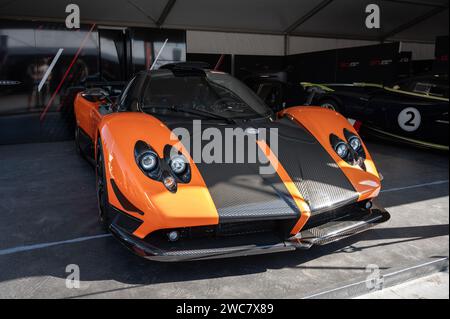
102	190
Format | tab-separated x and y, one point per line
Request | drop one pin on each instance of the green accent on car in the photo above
321	86
326	87
427	96
410	140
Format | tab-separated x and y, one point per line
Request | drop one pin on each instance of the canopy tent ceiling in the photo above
408	20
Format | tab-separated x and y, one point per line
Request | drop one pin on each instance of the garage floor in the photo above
48	220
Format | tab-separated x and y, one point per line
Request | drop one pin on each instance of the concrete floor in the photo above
47	196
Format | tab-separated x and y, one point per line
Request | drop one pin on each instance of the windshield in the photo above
216	95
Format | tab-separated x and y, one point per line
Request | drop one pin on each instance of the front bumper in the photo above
250	245
150	252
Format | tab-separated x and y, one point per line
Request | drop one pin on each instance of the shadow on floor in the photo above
104	259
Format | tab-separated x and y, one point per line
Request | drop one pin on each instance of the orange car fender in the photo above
321	122
87	115
191	205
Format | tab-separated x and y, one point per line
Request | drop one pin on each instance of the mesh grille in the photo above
234	229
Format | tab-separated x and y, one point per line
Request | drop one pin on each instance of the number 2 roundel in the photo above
409	119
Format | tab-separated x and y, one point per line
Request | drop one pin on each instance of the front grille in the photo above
318	219
244	228
278	228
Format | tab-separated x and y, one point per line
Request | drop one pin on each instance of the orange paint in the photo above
87	115
190	206
321	123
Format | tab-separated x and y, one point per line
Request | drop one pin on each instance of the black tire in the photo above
331	105
77	141
102	189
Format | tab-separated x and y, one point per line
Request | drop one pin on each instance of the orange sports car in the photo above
176	179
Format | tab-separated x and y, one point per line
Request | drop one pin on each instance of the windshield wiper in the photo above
205	114
202	113
253	117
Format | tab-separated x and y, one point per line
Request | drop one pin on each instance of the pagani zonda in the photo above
413	111
165	206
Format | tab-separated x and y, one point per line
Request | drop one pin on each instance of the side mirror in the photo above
105	109
95	95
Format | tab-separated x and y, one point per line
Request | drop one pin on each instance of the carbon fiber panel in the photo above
241	192
355	222
238	189
267	210
317	176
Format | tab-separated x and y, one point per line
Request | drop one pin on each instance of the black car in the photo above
276	91
413	111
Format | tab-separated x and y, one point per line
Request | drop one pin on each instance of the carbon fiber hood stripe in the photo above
241	192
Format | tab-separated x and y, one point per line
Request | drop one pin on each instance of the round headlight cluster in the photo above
349	149
170	169
178	164
355	143
342	150
149	161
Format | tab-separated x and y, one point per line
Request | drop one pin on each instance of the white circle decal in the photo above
409	119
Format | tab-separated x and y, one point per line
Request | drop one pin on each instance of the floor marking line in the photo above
414	186
334	289
49	70
387	274
431	262
19	249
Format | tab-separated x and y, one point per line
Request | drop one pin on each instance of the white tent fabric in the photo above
408	20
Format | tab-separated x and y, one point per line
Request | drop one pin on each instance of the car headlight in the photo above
342	150
355	143
170	169
350	150
148	161
358	155
178	164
